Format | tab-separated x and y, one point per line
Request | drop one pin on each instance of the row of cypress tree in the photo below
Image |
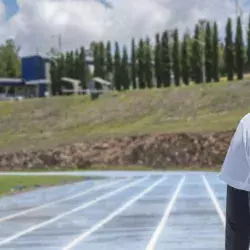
198	58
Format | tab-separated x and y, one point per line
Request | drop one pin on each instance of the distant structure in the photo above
96	85
75	84
35	79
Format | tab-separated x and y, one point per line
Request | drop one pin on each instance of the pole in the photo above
238	9
59	37
60	42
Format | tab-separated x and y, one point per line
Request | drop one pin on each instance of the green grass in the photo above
43	123
91	168
29	182
123	168
149	168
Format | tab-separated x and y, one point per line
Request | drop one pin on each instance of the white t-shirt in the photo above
236	167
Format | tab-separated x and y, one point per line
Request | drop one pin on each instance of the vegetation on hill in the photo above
159	88
169	60
52	121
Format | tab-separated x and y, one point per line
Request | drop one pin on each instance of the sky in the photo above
11	8
36	24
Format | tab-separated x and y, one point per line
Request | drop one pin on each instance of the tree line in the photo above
10	64
167	60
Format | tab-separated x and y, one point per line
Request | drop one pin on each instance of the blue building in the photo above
35	80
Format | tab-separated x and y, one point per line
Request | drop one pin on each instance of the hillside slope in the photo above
45	123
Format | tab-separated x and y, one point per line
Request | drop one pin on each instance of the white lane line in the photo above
214	200
12	216
112	215
153	241
76	209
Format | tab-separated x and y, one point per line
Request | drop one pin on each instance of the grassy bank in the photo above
44	123
15	183
123	168
149	168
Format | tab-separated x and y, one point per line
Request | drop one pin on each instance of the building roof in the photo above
102	81
46	59
11	82
21	82
37	82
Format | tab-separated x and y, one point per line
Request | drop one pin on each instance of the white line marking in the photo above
12	216
214	200
152	243
112	215
76	209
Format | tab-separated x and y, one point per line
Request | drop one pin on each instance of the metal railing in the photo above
87	91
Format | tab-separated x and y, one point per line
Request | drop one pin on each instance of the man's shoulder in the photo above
246	118
245	121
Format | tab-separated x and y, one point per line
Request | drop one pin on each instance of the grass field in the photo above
132	168
43	123
30	182
121	168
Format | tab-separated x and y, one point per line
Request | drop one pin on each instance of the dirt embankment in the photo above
157	151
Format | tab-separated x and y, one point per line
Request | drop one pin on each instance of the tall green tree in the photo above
189	40
248	44
96	59
185	61
202	23
117	68
148	63
109	61
239	50
68	65
63	69
222	62
166	60
215	61
157	59
10	65
76	64
229	51
83	71
72	64
55	87
176	58
125	79
102	58
208	52
141	64
133	64
197	57
56	83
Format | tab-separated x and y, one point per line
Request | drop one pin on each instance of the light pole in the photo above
238	9
59	41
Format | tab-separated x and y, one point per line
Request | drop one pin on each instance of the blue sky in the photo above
81	24
11	7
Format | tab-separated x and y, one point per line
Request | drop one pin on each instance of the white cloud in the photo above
81	21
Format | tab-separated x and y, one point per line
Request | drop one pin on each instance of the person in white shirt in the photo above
235	173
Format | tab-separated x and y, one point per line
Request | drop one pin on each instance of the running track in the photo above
129	210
